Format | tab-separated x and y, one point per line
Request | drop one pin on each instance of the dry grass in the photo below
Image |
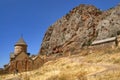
2	77
64	69
76	67
108	75
110	57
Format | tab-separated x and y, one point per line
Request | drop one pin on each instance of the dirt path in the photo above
112	67
14	78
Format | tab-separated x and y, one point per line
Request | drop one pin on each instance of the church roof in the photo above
21	42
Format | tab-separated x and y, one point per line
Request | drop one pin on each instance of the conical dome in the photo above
21	42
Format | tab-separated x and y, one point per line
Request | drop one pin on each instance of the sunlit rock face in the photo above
82	25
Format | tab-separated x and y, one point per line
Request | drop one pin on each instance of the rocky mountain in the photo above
82	25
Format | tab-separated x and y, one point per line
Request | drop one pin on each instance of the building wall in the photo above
21	65
22	56
118	39
22	62
103	46
38	62
19	49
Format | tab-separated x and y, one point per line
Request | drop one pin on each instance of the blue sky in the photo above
31	18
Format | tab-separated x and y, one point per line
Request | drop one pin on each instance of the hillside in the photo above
100	66
81	26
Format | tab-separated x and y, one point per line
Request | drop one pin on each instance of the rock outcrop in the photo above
82	25
110	24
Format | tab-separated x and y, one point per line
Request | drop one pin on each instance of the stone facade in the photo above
21	60
105	44
37	61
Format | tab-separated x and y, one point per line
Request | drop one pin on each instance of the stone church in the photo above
21	60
